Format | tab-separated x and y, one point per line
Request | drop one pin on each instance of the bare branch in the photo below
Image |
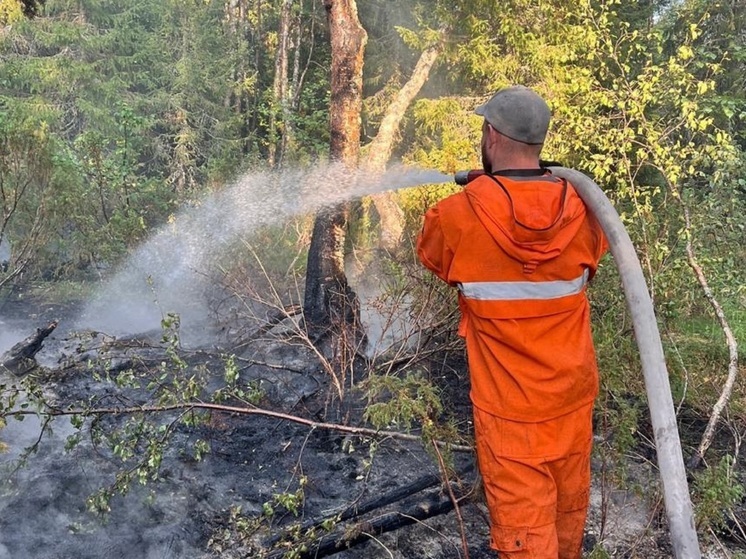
361	431
730	381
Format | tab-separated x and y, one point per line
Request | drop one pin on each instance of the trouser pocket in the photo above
511	542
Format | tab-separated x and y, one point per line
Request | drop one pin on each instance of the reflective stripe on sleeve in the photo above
520	290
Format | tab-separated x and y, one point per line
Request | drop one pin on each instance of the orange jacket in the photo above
520	249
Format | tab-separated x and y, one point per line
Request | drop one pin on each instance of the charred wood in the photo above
20	358
415	502
359	509
429	505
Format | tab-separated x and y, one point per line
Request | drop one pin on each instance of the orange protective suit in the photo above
520	248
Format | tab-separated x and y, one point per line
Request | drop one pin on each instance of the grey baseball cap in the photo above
518	113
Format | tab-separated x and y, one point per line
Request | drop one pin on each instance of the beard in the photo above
486	161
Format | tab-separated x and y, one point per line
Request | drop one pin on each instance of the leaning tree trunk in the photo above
391	218
331	310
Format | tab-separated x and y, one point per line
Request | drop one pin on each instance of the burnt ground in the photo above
218	506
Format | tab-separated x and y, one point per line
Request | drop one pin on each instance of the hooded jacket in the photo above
520	248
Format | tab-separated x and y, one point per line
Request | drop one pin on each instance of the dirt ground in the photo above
218	506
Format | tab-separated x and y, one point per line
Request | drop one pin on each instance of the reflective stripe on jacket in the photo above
520	250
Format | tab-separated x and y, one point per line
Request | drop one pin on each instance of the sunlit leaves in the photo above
11	11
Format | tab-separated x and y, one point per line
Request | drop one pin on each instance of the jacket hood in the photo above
532	219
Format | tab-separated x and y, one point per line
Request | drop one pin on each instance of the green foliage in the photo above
717	492
234	389
448	138
11	11
34	175
618	421
242	528
291	502
22	398
134	95
598	552
616	349
407	402
711	30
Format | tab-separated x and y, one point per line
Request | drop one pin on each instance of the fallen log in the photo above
20	357
359	509
430	505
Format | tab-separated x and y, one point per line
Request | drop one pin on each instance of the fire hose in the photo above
660	402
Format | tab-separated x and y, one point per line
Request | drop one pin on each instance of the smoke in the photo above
7	337
169	273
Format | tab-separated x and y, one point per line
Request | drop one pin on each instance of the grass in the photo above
60	292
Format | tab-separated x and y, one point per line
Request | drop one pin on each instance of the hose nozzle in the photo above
462	178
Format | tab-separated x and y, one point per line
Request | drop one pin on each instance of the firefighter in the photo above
520	248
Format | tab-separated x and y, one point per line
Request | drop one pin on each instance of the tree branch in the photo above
362	431
730	381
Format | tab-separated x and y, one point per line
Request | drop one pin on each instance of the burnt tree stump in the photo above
21	357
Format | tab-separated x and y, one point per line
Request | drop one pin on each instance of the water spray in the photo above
660	401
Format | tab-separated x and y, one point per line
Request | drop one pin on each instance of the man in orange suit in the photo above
520	248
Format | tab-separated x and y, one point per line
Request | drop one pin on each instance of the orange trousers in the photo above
537	483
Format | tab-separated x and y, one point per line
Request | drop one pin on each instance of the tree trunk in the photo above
331	309
299	71
380	148
391	218
348	39
278	130
246	36
328	297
